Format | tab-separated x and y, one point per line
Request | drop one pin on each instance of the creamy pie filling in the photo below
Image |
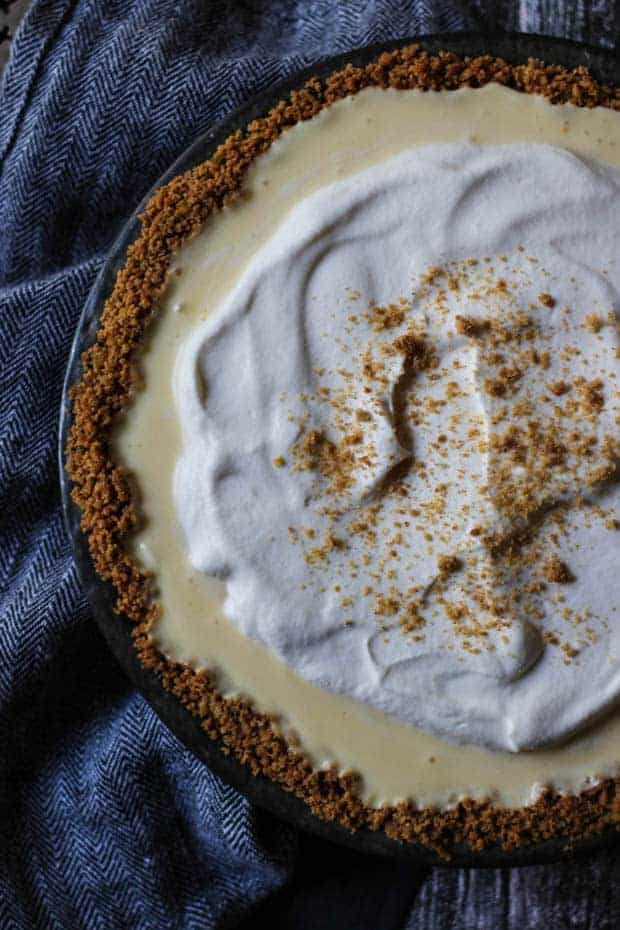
393	437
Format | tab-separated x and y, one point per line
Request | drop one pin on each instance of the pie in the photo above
346	446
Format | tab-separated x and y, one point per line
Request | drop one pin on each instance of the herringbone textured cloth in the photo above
105	820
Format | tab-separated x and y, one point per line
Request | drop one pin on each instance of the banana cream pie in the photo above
347	447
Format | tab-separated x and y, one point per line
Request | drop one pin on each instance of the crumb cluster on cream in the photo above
399	441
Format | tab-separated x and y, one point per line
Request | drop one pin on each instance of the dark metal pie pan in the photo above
516	48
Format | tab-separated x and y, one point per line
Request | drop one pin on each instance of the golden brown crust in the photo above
109	514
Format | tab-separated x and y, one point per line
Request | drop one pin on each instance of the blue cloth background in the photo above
105	820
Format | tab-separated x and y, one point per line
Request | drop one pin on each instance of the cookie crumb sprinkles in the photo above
110	512
556	571
546	300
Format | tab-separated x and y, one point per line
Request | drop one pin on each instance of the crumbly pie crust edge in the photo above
109	506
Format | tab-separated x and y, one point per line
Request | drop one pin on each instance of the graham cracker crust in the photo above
110	513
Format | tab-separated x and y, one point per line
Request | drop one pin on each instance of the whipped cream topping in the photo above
399	441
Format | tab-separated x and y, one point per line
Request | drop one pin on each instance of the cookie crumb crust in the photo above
110	511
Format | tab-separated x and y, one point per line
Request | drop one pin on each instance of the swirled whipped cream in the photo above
400	441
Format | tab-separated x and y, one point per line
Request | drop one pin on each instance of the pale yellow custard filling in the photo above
395	760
